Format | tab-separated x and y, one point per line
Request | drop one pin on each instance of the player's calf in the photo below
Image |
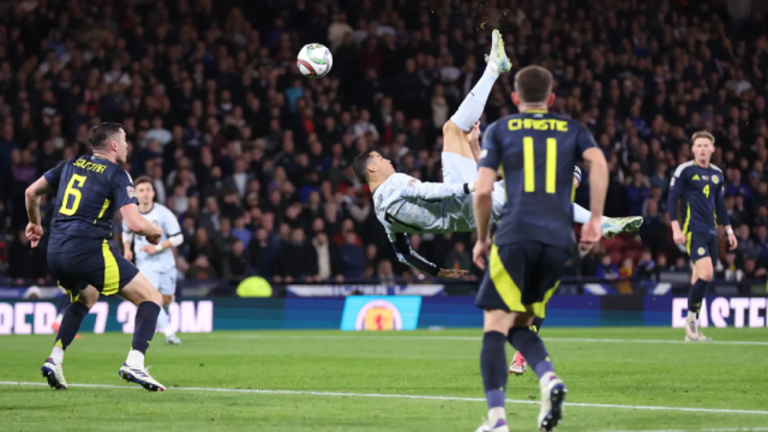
148	299
702	275
70	325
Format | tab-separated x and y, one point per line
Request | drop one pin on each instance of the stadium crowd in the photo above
255	159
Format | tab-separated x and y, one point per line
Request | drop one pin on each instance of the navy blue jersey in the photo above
700	191
88	191
537	152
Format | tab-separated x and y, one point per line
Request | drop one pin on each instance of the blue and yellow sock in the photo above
146	323
493	367
70	324
696	295
532	348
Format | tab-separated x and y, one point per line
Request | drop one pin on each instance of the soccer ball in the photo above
315	60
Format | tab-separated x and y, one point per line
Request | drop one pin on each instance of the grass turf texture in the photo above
629	372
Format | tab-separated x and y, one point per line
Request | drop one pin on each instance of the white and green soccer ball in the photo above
314	61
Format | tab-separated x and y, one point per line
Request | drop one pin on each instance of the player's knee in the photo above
450	127
704	270
88	297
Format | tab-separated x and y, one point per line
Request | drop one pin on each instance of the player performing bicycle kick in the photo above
405	205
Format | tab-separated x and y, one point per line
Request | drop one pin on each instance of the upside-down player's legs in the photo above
702	249
521	278
455	138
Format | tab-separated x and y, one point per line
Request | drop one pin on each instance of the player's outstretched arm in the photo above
138	225
598	188
170	226
436	191
406	255
32	196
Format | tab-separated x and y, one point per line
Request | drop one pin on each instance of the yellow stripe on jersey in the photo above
529	165
111	271
505	286
551	165
103	209
687	219
540	308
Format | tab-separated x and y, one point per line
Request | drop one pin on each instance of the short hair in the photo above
533	84
360	165
100	135
703	134
142	180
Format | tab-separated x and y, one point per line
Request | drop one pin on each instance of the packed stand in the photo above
255	159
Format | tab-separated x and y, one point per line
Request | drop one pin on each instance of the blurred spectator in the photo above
606	269
352	256
227	127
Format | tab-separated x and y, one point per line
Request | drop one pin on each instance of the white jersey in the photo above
404	204
164	260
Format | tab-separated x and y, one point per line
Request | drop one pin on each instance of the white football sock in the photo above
162	320
494	414
582	215
471	109
135	358
57	355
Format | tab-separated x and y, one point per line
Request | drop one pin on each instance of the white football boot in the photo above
611	227
54	373
140	375
553	392
498	55
692	331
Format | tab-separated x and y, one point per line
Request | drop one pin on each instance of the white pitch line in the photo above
478	339
400	396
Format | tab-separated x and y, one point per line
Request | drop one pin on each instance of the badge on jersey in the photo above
701	251
715	179
131	191
413	182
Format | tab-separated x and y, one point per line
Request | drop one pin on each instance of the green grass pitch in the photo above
619	379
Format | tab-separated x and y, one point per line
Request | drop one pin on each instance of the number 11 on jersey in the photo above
529	165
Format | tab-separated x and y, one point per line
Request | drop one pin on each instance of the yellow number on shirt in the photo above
74	193
706	191
529	165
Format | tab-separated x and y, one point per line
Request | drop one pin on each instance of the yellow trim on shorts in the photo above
540	308
687	219
73	298
505	286
688	243
111	271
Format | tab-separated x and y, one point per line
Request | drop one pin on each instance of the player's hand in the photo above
590	232
678	237
732	241
34	233
451	273
474	133
150	249
154	238
481	250
128	255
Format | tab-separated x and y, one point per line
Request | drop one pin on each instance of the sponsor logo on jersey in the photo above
696	177
705	177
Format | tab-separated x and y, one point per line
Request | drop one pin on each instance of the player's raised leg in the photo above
148	300
455	138
70	324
